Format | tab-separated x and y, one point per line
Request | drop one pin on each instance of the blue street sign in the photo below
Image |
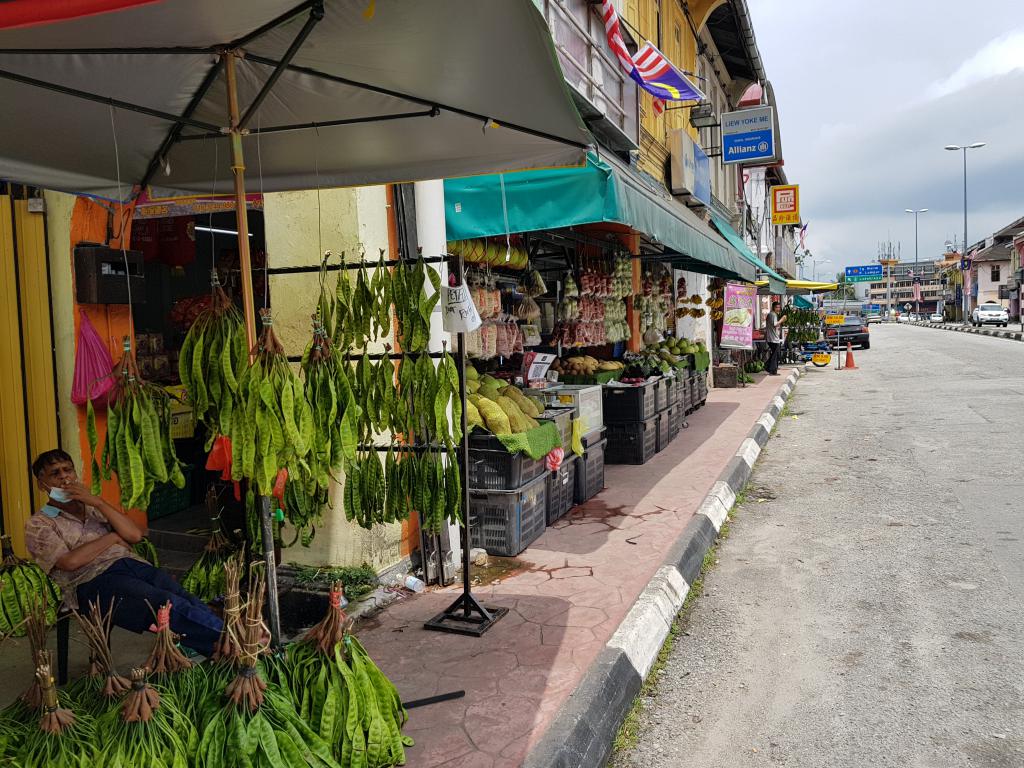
870	270
872	307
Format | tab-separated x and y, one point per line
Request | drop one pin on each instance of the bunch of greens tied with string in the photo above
137	447
360	313
212	359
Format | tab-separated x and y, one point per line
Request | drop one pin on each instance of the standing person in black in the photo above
773	336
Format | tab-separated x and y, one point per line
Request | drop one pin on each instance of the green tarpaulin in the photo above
776	282
801	303
528	201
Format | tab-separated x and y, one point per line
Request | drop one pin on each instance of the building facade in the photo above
897	291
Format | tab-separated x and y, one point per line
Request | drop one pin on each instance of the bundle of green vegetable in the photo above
205	577
138	446
61	739
213	357
147	552
272	429
343	695
259	726
93	692
413	306
22	583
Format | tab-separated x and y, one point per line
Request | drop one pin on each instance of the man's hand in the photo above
123	526
79	492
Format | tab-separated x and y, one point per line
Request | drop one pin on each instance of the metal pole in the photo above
963	282
249	314
917	275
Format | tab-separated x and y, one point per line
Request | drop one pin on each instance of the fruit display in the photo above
22	584
585	365
498	406
496	253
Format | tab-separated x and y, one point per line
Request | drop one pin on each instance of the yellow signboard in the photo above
786	204
834	319
821	358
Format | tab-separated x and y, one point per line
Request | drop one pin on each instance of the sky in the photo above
869	93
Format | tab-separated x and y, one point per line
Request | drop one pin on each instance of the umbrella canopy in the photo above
330	92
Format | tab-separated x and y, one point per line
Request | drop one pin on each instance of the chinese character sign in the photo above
786	204
738	318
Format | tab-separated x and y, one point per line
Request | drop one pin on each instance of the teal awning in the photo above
776	282
527	201
801	303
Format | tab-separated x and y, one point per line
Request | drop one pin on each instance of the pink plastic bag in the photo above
93	364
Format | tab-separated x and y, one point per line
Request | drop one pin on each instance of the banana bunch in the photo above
21	583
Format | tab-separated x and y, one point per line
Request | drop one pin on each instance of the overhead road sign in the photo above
748	136
866	274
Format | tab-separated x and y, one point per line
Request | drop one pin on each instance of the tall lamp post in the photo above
963	263
814	267
917	275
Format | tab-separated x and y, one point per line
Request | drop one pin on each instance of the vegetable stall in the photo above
151	90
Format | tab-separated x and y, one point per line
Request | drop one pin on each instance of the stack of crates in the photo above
631	415
587	471
700	394
507	497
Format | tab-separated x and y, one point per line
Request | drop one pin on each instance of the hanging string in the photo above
504	211
124	250
266	254
214	279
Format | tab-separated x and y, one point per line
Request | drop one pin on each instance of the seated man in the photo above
85	544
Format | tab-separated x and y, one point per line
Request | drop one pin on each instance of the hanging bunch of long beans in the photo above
213	357
272	429
137	447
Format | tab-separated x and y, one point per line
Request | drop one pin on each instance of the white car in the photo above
935	317
990	313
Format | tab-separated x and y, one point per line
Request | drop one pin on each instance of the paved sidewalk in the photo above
580	580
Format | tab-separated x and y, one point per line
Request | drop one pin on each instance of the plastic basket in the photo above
563	420
664	430
632	443
561	489
497	469
671	387
675	422
586	399
590	470
167	500
630	403
507	522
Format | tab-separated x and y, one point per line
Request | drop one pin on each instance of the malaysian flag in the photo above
803	235
651	70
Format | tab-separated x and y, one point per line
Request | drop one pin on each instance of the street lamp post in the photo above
963	264
814	267
917	275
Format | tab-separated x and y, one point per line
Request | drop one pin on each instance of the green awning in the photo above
527	201
776	282
801	303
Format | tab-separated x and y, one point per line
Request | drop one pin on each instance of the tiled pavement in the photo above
580	580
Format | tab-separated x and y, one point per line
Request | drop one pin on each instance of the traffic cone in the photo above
849	357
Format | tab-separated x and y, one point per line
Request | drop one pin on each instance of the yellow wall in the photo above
28	422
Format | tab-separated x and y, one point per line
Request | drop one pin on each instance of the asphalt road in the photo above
868	605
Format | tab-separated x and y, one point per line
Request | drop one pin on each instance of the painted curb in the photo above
585	727
995	333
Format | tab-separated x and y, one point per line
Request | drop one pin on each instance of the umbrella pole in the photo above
249	313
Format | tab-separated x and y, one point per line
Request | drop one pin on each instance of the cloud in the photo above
999	57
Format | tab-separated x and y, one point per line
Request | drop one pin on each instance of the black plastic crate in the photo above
590	470
507	522
563	420
675	422
498	470
594	437
633	443
664	430
660	395
630	404
671	386
688	389
561	489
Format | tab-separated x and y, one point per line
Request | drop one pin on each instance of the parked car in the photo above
935	317
873	319
853	330
902	318
990	313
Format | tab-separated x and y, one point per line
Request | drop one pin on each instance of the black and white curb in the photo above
582	733
996	333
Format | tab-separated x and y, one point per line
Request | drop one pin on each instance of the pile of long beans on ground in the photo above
137	447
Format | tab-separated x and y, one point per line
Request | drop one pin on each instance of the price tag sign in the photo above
460	313
834	319
821	358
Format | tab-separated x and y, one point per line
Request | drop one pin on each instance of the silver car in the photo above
990	314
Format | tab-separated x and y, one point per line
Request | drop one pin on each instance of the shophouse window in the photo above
995	273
